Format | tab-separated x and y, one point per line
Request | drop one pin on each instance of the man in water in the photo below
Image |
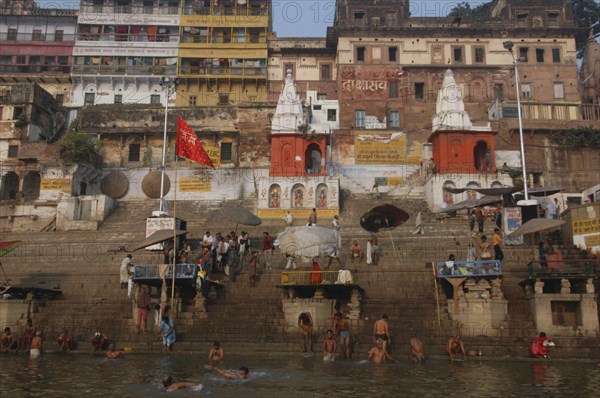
35	348
378	354
382	331
455	347
65	340
170	385
216	353
416	350
8	341
243	373
342	329
112	352
305	327
329	347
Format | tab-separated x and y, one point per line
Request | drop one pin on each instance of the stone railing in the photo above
560	267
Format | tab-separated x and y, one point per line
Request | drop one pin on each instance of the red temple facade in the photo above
463	152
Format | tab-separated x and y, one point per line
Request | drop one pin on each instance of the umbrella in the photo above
544	191
384	216
297	239
159	236
6	247
535	225
240	215
471	203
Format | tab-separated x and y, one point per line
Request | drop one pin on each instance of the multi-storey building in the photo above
223	52
391	67
37	46
123	49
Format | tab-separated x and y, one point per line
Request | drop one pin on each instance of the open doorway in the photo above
313	159
482	156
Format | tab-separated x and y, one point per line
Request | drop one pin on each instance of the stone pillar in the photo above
354	305
497	289
539	286
589	286
565	286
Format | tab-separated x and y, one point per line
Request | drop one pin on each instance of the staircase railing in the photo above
317	277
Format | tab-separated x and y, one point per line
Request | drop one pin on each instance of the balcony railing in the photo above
35	68
241	10
467	269
125	69
132	37
317	278
223	71
560	267
133	9
219	40
49	37
552	111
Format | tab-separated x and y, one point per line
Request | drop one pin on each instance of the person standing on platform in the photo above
268	250
498	253
312	218
480	220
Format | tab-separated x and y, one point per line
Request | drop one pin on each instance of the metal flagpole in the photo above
174	231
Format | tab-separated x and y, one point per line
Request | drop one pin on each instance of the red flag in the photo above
188	145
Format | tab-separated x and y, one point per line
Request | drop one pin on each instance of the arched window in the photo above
471	194
448	196
313	158
31	185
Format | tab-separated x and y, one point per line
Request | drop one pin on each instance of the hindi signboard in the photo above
373	147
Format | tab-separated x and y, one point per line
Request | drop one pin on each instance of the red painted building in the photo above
463	151
298	155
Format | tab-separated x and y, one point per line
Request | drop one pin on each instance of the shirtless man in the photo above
416	350
374	250
455	347
355	252
35	348
381	330
243	373
342	329
216	353
170	385
112	352
378	354
305	327
329	347
8	341
65	340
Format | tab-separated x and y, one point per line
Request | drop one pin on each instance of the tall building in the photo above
36	46
123	49
223	52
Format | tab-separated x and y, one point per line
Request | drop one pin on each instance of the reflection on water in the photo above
74	375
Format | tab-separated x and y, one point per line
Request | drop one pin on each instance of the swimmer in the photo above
416	350
216	353
112	352
378	354
170	385
243	373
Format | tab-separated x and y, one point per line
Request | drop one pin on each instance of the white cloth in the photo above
207	240
123	270
369	253
129	287
344	277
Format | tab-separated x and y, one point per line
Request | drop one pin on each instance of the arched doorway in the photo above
313	158
31	185
482	156
10	186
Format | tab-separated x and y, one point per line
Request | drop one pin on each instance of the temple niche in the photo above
298	178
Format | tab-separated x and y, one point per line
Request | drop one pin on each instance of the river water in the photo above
296	375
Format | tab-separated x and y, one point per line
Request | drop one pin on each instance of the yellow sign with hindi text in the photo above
56	184
586	226
194	184
214	153
378	147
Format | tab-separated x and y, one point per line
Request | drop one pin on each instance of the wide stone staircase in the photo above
85	266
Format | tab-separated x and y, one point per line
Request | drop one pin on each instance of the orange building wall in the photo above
454	151
285	149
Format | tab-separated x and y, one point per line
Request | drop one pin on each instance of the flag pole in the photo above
174	231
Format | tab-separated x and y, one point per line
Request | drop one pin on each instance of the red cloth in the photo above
315	276
537	347
188	145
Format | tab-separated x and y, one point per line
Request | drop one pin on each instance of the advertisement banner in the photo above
511	221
